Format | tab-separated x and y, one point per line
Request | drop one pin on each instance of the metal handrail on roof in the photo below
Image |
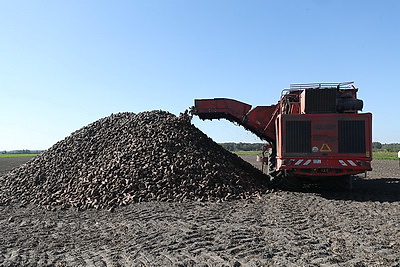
302	86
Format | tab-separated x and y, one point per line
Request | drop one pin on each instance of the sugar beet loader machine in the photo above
314	133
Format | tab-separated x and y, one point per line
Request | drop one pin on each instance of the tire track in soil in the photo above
197	236
320	231
183	237
294	235
281	229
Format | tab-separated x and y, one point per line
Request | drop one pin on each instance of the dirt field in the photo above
317	228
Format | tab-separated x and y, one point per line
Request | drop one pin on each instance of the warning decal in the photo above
325	148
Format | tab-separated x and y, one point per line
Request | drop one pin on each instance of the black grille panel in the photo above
320	100
298	136
351	136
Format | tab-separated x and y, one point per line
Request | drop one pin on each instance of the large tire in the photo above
279	179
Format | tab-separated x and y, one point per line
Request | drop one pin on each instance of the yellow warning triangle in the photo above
325	148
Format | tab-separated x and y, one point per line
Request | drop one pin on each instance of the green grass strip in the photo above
385	155
16	155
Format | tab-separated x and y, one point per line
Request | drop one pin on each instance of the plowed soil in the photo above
315	228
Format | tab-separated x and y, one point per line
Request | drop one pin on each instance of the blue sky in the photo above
65	64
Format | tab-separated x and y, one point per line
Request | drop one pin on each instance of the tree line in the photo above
393	147
22	151
242	146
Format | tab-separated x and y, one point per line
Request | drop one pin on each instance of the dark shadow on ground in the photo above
380	190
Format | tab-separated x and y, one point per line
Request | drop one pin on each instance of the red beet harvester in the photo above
314	132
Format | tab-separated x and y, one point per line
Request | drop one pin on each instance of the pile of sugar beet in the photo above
127	158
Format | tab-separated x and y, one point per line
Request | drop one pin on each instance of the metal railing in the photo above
301	86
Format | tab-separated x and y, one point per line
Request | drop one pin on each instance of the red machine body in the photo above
314	129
